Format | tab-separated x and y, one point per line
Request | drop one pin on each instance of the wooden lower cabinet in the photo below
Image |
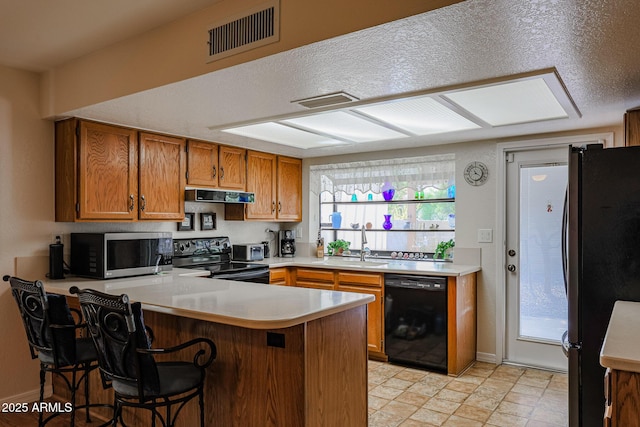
622	394
279	276
314	278
346	281
461	323
461	307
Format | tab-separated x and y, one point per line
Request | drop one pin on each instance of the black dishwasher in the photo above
416	320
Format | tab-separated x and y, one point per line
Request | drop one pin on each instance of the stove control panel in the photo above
202	246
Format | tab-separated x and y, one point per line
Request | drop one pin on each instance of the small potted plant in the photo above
443	250
338	247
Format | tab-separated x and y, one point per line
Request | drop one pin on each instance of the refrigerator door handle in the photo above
566	345
564	237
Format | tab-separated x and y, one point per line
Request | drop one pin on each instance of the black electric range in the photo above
214	255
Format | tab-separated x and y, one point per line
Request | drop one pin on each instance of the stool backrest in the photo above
117	328
47	321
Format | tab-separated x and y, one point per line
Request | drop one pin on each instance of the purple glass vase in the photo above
387	222
388	195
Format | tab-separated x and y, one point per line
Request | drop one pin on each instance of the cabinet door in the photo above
233	168
278	276
261	173
632	127
289	189
374	315
107	173
202	164
162	177
314	278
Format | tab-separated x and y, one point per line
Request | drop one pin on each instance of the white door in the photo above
535	293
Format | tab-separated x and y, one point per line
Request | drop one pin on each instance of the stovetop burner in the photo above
212	254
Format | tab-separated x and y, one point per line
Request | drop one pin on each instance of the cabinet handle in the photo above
273	206
131	202
143	203
279	207
221	173
215	172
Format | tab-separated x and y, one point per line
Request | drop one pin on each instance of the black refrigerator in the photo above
602	264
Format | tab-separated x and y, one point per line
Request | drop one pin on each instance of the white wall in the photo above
475	208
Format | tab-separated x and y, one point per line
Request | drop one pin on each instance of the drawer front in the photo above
278	274
315	275
362	279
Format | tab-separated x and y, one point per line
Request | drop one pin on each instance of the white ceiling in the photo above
593	44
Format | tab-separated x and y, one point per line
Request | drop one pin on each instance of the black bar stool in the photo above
128	363
52	335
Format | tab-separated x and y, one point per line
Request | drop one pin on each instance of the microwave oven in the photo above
111	255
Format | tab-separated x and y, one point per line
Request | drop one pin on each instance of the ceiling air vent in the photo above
241	33
326	100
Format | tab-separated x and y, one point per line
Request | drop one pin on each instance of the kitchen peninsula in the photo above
286	356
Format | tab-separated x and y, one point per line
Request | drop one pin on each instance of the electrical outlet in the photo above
485	235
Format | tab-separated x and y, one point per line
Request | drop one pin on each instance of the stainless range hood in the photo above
213	195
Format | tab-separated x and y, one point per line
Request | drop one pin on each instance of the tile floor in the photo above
485	395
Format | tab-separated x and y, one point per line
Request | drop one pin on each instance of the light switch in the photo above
485	235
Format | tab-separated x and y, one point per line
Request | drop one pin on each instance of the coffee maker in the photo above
287	243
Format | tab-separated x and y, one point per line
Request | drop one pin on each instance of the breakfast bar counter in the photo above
286	356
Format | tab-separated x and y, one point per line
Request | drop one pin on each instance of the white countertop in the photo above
376	265
621	347
249	305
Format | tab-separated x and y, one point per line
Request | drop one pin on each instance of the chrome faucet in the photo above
363	241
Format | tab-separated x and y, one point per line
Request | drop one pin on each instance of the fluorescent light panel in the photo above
346	126
421	116
510	103
281	134
522	100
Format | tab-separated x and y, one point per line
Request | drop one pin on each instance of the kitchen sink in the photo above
351	262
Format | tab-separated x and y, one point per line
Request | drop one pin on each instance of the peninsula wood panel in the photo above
162	177
318	379
461	323
331	340
202	163
622	389
261	172
232	173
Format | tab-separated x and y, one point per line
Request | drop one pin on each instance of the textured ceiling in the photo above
593	44
40	34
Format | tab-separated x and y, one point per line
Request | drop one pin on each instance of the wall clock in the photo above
476	173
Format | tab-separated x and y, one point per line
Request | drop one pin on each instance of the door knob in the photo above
511	268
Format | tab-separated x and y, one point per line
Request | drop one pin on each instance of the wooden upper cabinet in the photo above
261	173
289	189
632	127
162	177
202	164
96	172
111	173
232	174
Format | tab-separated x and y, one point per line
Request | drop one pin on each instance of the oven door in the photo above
260	275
